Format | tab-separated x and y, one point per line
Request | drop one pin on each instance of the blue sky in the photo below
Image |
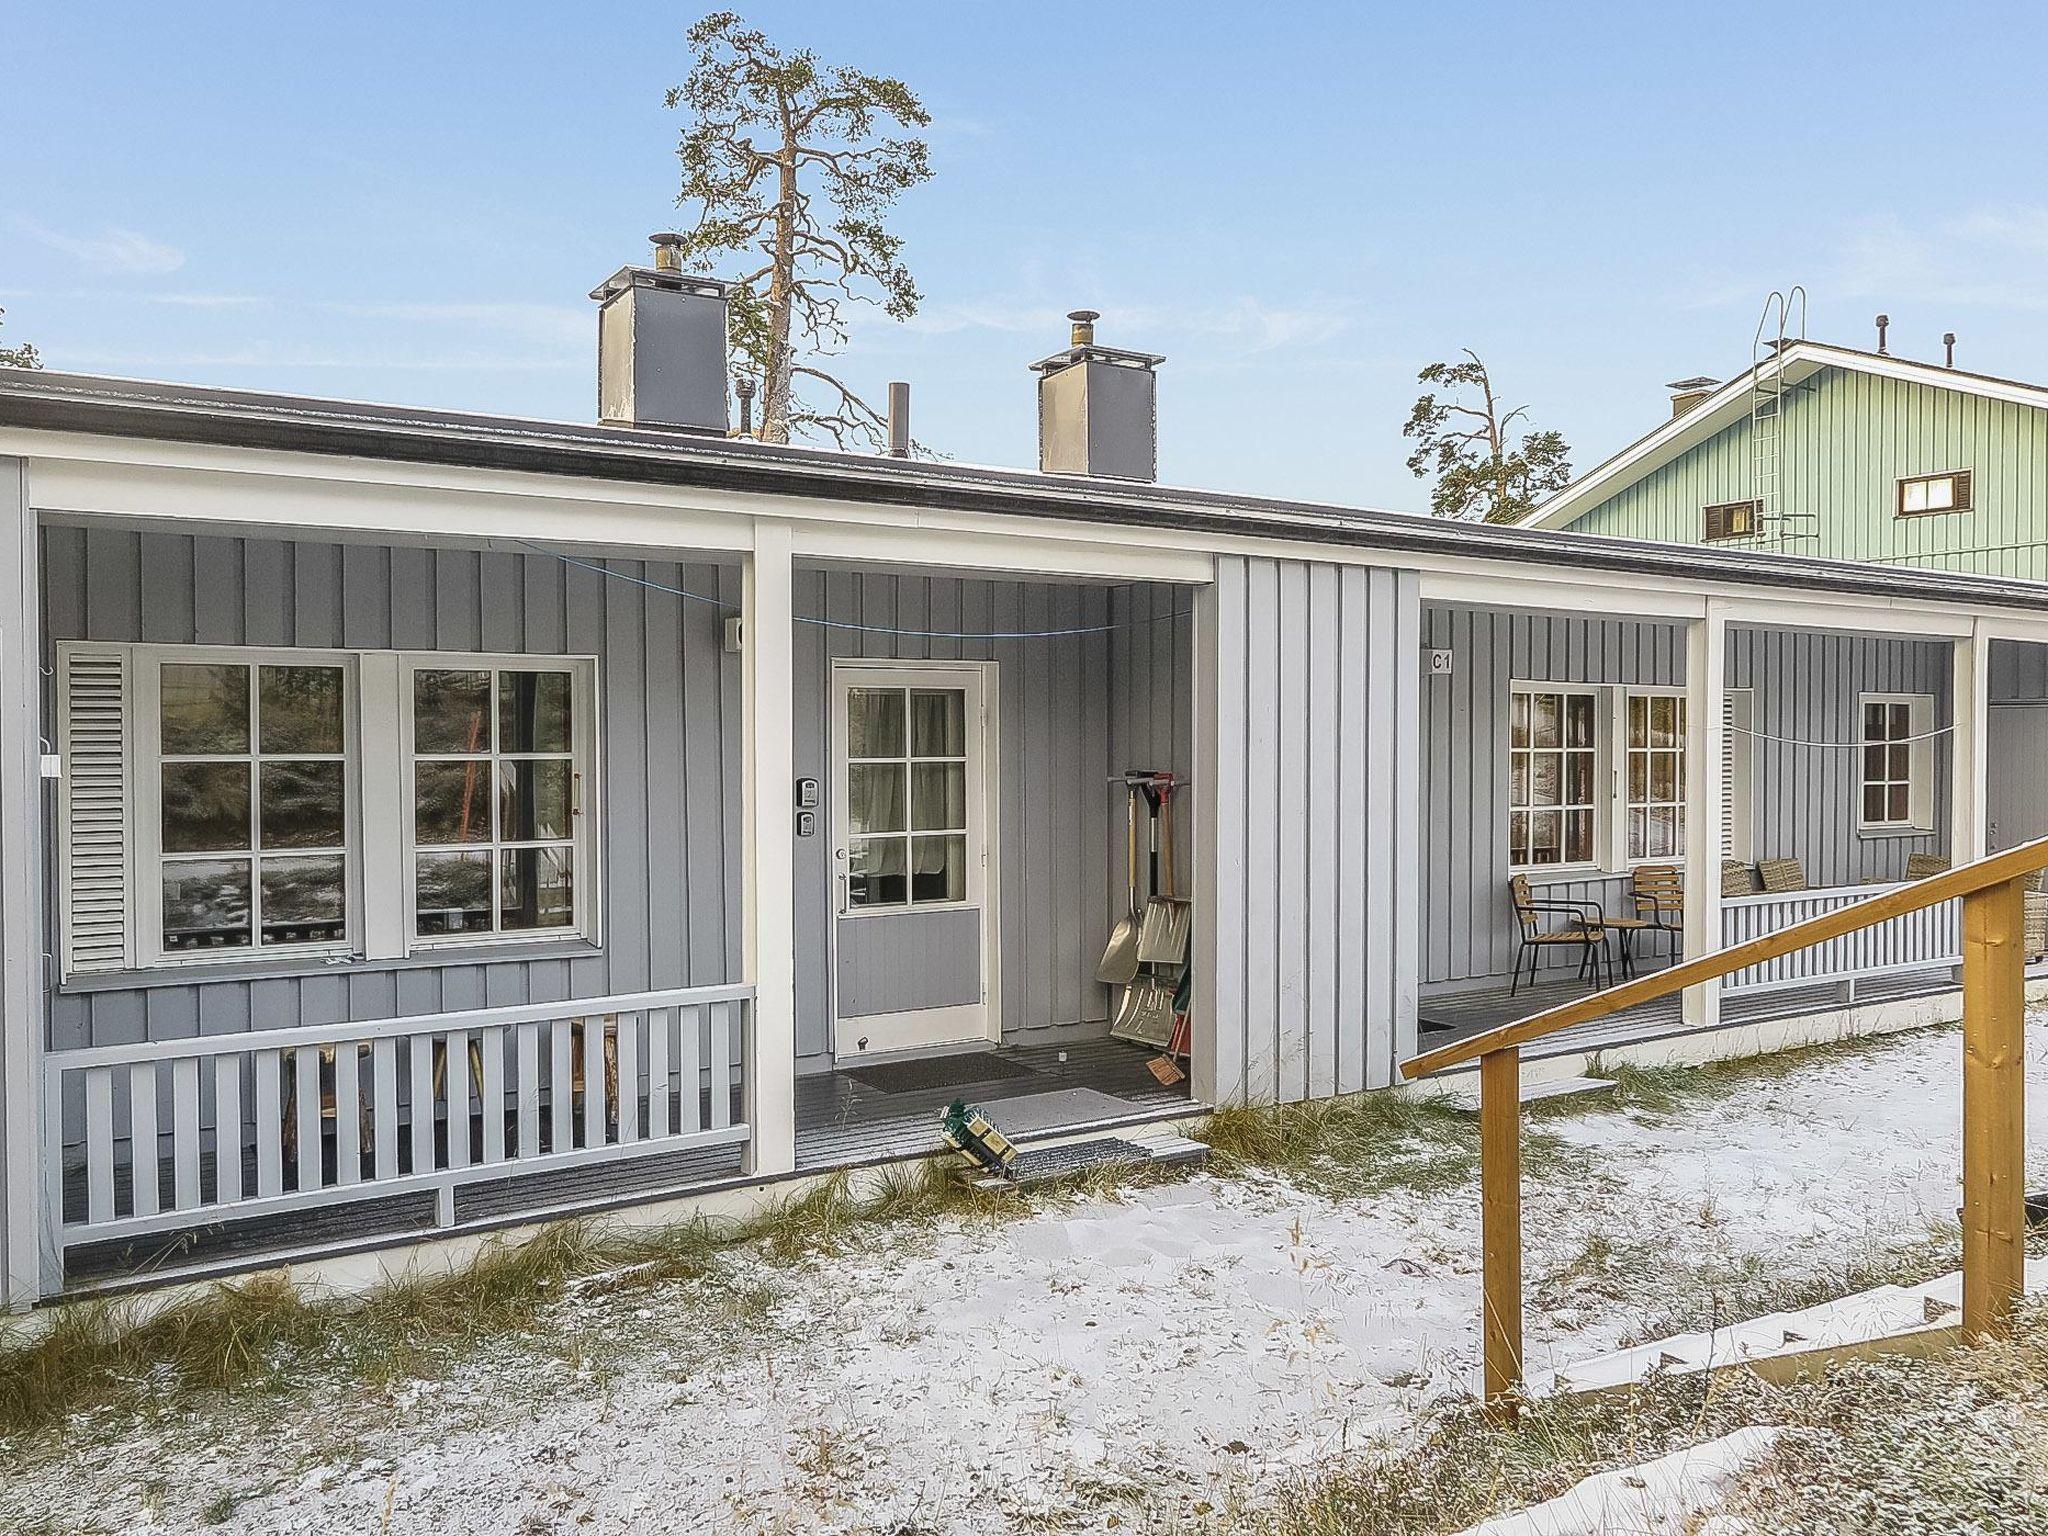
1299	205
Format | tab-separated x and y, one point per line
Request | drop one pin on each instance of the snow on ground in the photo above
1091	1366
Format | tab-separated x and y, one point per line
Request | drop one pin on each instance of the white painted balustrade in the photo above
173	1134
1925	939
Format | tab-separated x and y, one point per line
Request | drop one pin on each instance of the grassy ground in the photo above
1958	1443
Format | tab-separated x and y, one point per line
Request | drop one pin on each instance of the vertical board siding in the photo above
1848	438
670	880
1805	686
1317	804
1072	710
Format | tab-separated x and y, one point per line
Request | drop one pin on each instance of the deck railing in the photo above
1992	892
173	1134
1924	938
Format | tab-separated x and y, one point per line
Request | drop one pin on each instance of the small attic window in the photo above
1731	520
1947	492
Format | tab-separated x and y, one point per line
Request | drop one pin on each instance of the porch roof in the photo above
183	413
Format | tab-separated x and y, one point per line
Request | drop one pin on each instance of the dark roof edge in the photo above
236	419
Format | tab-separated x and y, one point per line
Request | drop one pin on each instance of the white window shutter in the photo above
94	884
1738	753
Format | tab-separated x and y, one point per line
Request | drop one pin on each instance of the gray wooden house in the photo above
415	824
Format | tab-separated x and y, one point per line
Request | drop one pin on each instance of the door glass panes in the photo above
495	786
1656	776
1550	777
252	783
906	796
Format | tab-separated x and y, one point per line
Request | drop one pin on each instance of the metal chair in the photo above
1587	931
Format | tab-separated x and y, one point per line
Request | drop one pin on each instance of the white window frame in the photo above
146	812
1601	811
1625	803
1919	764
584	811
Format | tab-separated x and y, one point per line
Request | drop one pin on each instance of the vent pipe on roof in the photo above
1884	323
899	420
1098	408
743	389
1948	347
1686	394
661	351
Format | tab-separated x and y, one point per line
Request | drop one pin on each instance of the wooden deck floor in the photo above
1450	1017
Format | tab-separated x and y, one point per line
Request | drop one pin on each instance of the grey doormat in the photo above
963	1069
1029	1114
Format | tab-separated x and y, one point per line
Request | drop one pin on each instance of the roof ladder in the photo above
1767	391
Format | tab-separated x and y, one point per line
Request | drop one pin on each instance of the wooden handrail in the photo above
1994	1091
1979	875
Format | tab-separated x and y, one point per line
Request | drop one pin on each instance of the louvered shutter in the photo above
1738	752
93	727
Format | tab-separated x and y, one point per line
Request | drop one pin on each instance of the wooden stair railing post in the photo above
1500	1185
1994	1106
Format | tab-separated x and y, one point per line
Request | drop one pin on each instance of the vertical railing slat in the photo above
384	1106
593	1081
689	1068
561	1088
269	1124
99	1144
420	1063
658	1026
722	1053
627	1109
185	1133
306	1096
227	1129
529	1089
348	1115
455	1064
144	1186
492	1092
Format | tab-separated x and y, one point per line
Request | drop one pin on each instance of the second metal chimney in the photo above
1098	408
661	351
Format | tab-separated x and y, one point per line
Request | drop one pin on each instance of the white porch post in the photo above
768	857
26	1233
1969	751
1706	667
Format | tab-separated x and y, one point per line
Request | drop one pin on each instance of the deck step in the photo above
1047	1162
1466	1092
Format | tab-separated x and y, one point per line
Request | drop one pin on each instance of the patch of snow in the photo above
1657	1498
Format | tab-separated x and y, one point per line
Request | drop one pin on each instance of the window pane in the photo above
1663	841
1518	720
1663	775
533	801
1901	721
204	708
1543	785
1901	763
1518	779
206	904
938	796
874	722
875	874
1873	803
1545	835
1518	836
1915	496
1638	722
1578	778
534	712
938	723
303	899
1578	837
302	805
1899	804
536	888
299	709
1544	727
454	892
1941	494
939	869
452	802
1873	722
1873	762
874	795
451	711
205	807
1638	833
1638	776
1578	715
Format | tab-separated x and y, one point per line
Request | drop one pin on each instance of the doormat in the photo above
961	1070
1060	1109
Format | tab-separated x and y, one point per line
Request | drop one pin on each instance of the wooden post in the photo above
1500	1194
1994	1106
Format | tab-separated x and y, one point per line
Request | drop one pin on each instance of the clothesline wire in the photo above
1844	746
865	629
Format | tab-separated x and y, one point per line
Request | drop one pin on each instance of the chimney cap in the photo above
1693	386
660	277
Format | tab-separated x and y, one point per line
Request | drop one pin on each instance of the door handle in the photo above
845	894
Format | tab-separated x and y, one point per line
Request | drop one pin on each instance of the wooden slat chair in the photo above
1658	892
1781	876
1586	930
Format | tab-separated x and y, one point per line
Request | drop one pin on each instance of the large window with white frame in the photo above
1897	788
227	803
1654	776
1553	753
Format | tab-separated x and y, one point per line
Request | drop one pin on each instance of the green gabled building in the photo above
1825	450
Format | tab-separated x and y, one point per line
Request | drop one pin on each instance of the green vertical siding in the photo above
1848	439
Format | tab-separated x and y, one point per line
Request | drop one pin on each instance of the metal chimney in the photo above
661	348
1948	347
899	420
1883	324
1098	408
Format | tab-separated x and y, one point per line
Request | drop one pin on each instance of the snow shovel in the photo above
1163	936
1120	957
1145	1013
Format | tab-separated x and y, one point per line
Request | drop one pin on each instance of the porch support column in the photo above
1216	1066
768	857
1706	731
1969	765
27	1233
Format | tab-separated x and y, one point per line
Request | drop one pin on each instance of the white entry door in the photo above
2016	776
913	929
